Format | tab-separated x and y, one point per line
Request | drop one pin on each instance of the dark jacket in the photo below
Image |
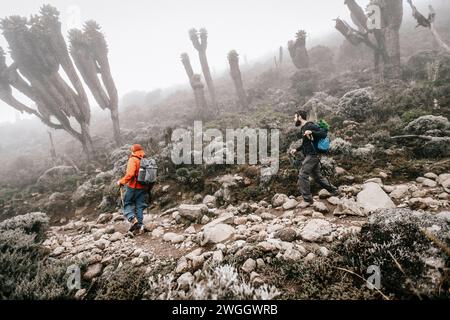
309	147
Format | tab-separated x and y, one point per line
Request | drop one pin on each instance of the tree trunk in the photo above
199	93
86	141
233	59
207	75
52	149
391	19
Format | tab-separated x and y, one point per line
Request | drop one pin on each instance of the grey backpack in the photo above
148	171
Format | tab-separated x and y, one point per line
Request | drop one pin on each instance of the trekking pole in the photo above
121	196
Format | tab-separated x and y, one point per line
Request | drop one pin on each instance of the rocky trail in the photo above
190	236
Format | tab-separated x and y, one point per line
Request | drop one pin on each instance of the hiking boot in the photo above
134	224
335	192
140	230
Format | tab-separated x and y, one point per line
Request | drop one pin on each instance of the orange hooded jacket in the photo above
133	165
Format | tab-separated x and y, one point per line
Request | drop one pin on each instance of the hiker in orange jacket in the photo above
134	200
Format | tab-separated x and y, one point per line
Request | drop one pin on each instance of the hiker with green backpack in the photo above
314	143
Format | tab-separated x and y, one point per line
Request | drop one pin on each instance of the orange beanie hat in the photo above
136	147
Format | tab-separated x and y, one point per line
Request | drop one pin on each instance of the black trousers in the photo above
311	168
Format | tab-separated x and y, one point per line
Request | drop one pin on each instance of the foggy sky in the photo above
146	37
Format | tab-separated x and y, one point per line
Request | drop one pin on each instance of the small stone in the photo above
58	251
137	261
399	192
429	183
158	232
96	258
93	271
320	206
324	251
80	294
260	263
240	220
209	201
383	175
185	281
116	237
267	216
388	189
173	237
205	219
104	218
151	226
190	230
217	233
292	255
217	256
431	175
290	204
309	257
317	215
315	230
279	199
323	194
249	265
286	234
334	200
266	246
110	230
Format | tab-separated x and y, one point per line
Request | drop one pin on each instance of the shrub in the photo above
25	270
412	114
429	122
395	241
356	104
340	146
305	82
126	283
217	283
35	224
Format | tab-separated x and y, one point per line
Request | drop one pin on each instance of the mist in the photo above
146	38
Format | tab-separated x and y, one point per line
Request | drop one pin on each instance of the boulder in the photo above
372	197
